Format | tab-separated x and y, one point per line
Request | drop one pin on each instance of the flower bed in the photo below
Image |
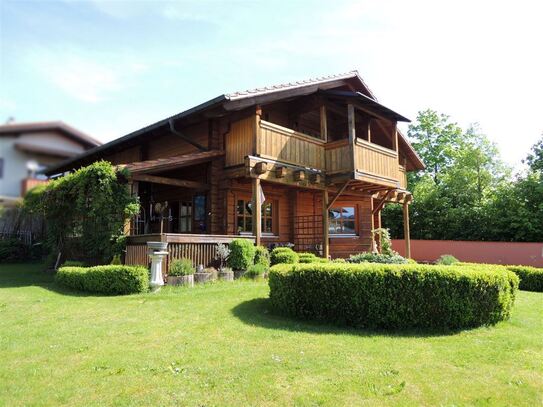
393	295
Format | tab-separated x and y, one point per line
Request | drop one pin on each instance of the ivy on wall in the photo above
85	212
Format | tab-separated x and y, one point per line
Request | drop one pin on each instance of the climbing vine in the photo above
85	212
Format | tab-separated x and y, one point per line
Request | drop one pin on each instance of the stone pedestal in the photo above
157	253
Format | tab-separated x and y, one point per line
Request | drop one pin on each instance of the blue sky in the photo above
111	67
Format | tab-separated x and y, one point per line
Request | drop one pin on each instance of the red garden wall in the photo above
530	254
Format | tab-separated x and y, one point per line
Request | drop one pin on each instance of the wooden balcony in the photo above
366	161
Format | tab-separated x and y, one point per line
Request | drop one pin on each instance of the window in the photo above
342	221
185	217
244	216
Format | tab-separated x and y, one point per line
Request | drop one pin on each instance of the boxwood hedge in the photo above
393	295
110	279
531	278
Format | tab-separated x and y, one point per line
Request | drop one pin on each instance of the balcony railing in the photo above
375	160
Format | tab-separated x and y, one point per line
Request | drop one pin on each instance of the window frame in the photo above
274	216
339	208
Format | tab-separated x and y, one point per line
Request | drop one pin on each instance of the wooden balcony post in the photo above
350	116
257	211
406	236
324	123
325	226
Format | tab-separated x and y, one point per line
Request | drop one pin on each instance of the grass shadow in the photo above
259	312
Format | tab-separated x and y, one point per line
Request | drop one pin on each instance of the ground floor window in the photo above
244	216
185	217
342	220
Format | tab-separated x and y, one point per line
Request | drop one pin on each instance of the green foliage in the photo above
386	243
531	278
256	271
85	211
447	260
394	296
370	257
242	254
110	279
13	250
262	256
286	255
307	258
73	263
181	267
339	260
466	191
116	260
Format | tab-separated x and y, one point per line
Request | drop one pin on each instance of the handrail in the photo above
376	147
289	132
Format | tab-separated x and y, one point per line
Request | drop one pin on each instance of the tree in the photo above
535	157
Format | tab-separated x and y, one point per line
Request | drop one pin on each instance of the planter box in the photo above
238	274
181	280
226	276
203	277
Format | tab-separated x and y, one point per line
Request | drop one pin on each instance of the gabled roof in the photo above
38	127
228	102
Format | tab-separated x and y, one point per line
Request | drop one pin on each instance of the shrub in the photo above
256	270
447	260
310	258
73	263
223	251
242	254
13	250
531	278
369	257
262	256
116	260
181	267
283	255
110	279
339	260
393	296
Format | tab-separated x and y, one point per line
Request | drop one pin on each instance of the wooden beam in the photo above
185	137
406	236
395	138
336	196
325	226
261	167
170	181
369	130
298	175
382	202
372	229
351	120
257	211
324	123
280	172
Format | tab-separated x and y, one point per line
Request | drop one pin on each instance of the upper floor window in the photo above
342	220
244	216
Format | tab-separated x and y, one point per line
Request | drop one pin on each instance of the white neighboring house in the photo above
27	149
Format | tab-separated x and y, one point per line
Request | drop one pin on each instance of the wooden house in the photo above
309	163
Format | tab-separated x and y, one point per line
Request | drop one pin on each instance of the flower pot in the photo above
226	275
181	280
203	277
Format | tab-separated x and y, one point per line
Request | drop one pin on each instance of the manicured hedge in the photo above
393	295
242	254
284	255
531	278
110	279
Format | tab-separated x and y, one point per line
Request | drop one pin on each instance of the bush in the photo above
284	255
242	254
181	267
110	279
310	258
73	263
262	256
256	270
447	260
531	278
393	296
13	250
369	257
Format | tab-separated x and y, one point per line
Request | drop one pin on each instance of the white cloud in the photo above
87	77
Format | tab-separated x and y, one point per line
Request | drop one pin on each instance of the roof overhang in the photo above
171	163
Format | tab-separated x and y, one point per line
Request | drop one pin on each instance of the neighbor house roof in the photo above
38	127
237	101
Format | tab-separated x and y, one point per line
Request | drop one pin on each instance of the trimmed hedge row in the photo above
110	279
531	278
393	295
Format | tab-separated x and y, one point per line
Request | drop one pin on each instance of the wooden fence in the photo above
529	254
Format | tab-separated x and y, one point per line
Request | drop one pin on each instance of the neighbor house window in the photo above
342	220
244	216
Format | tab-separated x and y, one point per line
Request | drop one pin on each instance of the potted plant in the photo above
181	273
223	253
204	275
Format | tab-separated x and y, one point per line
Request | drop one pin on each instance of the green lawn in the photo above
220	345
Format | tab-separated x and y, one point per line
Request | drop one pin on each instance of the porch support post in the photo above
257	211
377	224
324	123
406	236
325	226
352	133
